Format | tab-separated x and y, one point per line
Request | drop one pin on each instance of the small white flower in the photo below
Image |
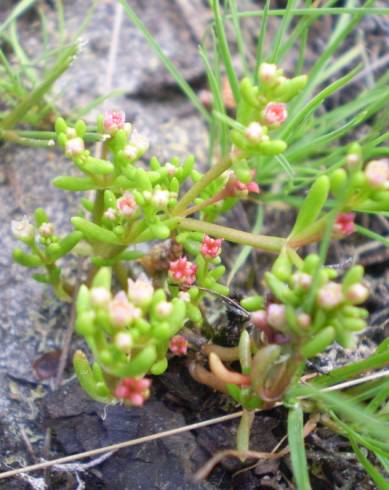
184	296
357	294
377	172
71	133
22	230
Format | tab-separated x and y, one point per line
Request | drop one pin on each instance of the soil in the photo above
33	323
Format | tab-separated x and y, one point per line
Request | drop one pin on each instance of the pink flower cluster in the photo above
113	121
178	345
235	187
344	224
126	205
134	390
121	312
275	114
211	247
182	271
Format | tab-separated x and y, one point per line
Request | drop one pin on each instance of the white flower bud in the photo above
255	132
160	199
22	230
46	229
164	308
131	151
141	291
74	147
267	72
276	315
330	295
357	294
100	297
124	342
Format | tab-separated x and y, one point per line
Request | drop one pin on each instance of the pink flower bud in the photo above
304	320
182	271
126	205
259	319
211	247
330	295
276	315
113	121
302	280
74	147
100	297
178	345
357	294
377	172
236	188
133	390
121	312
344	224
275	114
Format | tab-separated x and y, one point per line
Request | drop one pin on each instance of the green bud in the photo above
64	246
312	205
352	276
338	180
87	205
187	167
80	128
74	183
103	278
249	92
253	303
311	264
261	365
218	272
60	125
26	259
91	231
95	389
319	342
160	231
282	267
140	364
154	163
290	88
235	392
97	166
40	217
245	352
280	290
85	323
353	324
159	367
109	199
355	312
194	314
174	185
273	147
44	278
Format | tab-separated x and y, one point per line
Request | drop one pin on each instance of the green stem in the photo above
261	242
194	191
98	207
